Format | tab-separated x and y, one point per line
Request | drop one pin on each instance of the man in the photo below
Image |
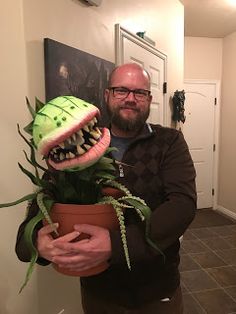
156	166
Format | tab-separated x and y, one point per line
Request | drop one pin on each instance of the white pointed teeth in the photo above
80	133
95	135
62	145
80	150
98	130
61	156
91	124
71	155
78	143
69	140
92	140
86	128
73	136
87	146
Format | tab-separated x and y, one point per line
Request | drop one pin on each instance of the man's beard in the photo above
124	124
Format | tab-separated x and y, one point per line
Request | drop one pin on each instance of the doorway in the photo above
201	133
131	48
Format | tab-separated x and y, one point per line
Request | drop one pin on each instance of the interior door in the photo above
198	131
131	48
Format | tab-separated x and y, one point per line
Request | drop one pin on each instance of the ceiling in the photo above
209	18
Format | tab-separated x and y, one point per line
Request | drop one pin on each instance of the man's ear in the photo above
150	99
106	94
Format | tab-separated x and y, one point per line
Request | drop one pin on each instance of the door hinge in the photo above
214	147
213	191
215	101
164	87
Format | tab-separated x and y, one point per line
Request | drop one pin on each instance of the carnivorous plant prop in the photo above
78	166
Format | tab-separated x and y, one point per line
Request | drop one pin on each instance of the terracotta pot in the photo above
109	191
67	215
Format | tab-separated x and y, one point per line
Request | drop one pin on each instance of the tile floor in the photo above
208	264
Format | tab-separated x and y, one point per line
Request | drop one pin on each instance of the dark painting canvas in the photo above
70	71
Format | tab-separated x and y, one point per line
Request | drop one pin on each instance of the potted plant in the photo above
79	170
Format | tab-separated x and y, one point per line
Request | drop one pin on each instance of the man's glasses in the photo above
123	92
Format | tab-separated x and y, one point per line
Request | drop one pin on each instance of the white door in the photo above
199	132
131	48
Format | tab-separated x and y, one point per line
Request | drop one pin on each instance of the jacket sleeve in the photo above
169	220
21	248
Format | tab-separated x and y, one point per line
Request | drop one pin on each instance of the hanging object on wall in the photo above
70	71
149	40
93	2
178	106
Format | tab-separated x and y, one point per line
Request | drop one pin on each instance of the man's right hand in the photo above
44	243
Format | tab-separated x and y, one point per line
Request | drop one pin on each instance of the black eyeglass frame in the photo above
134	91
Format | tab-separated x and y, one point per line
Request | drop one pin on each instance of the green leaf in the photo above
104	175
137	203
105	166
38	104
46	209
105	160
33	179
28	236
111	149
31	110
29	161
154	246
29	270
21	200
32	150
29	128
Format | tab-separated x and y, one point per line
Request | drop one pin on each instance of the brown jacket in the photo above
159	170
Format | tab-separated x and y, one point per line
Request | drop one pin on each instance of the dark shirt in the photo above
121	143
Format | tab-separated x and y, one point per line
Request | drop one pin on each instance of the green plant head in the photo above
65	132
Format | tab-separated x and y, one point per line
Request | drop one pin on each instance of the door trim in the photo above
121	34
217	107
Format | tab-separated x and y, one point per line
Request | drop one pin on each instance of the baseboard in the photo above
226	212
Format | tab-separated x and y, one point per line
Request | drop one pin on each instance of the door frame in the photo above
121	34
217	107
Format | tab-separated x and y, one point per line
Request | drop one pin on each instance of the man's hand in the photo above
86	253
45	245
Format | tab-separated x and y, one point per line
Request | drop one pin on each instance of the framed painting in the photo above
70	71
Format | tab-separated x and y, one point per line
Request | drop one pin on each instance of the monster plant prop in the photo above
76	151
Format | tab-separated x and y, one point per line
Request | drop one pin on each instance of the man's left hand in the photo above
86	253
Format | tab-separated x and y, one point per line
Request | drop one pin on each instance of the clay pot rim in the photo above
83	209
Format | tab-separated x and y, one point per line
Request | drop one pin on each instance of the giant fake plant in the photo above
78	166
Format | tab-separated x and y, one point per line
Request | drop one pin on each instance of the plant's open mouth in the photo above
77	144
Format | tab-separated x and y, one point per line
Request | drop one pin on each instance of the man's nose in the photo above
130	96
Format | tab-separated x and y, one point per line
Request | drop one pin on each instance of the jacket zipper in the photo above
121	171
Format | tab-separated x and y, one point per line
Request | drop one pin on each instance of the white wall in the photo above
13	82
203	58
214	58
227	170
23	25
